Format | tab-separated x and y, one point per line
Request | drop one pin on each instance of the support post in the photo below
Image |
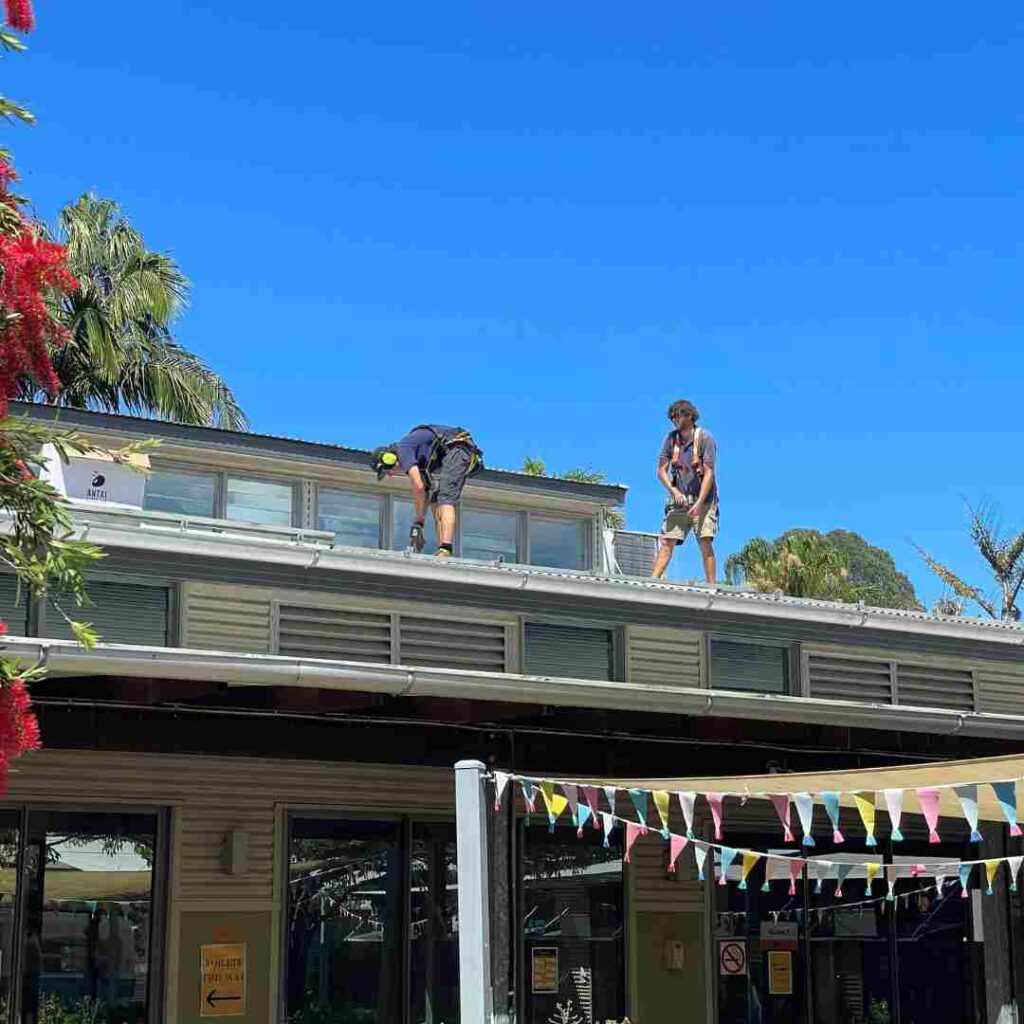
475	997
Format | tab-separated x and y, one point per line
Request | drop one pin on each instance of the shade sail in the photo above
861	780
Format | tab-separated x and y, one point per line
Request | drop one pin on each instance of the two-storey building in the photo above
258	755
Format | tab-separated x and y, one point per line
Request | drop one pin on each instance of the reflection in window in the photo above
344	895
259	501
572	921
402	515
8	875
490	536
88	916
353	518
187	494
558	543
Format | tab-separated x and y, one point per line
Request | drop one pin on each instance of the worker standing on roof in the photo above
438	460
688	467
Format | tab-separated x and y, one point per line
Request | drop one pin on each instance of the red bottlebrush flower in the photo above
3	628
19	15
19	728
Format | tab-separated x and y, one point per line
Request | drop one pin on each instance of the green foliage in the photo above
837	566
121	355
83	1011
11	111
613	518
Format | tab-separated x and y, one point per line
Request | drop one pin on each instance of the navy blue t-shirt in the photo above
414	448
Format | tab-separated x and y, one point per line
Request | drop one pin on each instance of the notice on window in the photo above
780	973
544	975
222	980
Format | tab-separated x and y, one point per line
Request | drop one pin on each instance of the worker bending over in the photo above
687	467
438	460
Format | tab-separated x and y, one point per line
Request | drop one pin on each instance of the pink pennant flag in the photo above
500	782
929	801
781	803
633	832
590	795
796	868
715	803
676	845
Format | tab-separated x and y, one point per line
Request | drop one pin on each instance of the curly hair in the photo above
681	407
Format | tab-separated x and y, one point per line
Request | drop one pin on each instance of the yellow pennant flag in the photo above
749	860
866	805
661	800
554	802
991	867
871	870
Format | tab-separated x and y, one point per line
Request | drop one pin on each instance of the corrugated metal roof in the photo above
278	445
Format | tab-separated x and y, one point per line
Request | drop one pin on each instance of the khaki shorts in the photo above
679	523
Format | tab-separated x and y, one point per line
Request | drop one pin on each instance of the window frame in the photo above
587	525
180	469
791	663
518	514
384	500
158	939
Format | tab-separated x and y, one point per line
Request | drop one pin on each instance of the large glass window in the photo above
572	925
353	518
259	501
349	936
187	494
490	536
402	514
88	919
558	543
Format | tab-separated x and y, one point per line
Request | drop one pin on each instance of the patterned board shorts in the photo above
678	523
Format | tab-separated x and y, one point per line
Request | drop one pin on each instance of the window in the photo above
187	494
353	518
559	543
83	936
759	666
364	899
259	501
121	613
490	536
573	652
401	516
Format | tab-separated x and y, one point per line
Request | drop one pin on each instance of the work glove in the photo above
417	540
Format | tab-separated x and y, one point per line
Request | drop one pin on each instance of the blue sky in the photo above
546	221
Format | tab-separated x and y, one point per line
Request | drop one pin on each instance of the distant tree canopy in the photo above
583	475
836	566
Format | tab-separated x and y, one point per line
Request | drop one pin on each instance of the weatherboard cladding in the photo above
214	795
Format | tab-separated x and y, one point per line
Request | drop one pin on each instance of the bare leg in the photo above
665	549
445	517
707	551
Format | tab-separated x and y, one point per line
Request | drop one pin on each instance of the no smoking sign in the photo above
732	957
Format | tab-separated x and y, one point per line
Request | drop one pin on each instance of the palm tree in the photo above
1004	554
800	563
121	354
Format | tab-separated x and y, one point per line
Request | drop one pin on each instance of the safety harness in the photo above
677	448
459	437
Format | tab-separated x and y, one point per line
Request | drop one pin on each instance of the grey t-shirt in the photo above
679	456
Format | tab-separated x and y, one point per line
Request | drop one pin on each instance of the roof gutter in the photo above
67	658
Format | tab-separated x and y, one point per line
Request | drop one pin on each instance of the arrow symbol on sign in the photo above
212	998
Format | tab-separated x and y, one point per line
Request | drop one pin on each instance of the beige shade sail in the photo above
862	780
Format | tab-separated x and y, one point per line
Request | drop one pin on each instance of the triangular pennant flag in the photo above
676	845
796	869
940	881
766	884
554	802
1013	864
639	798
660	797
728	855
780	801
715	803
572	797
686	803
866	806
805	812
890	881
991	867
965	878
583	812
500	782
609	795
894	804
871	870
749	860
633	832
529	795
842	873
700	854
831	802
968	797
929	801
590	795
1006	794
817	886
608	821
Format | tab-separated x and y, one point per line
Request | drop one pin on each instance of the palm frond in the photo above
956	584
